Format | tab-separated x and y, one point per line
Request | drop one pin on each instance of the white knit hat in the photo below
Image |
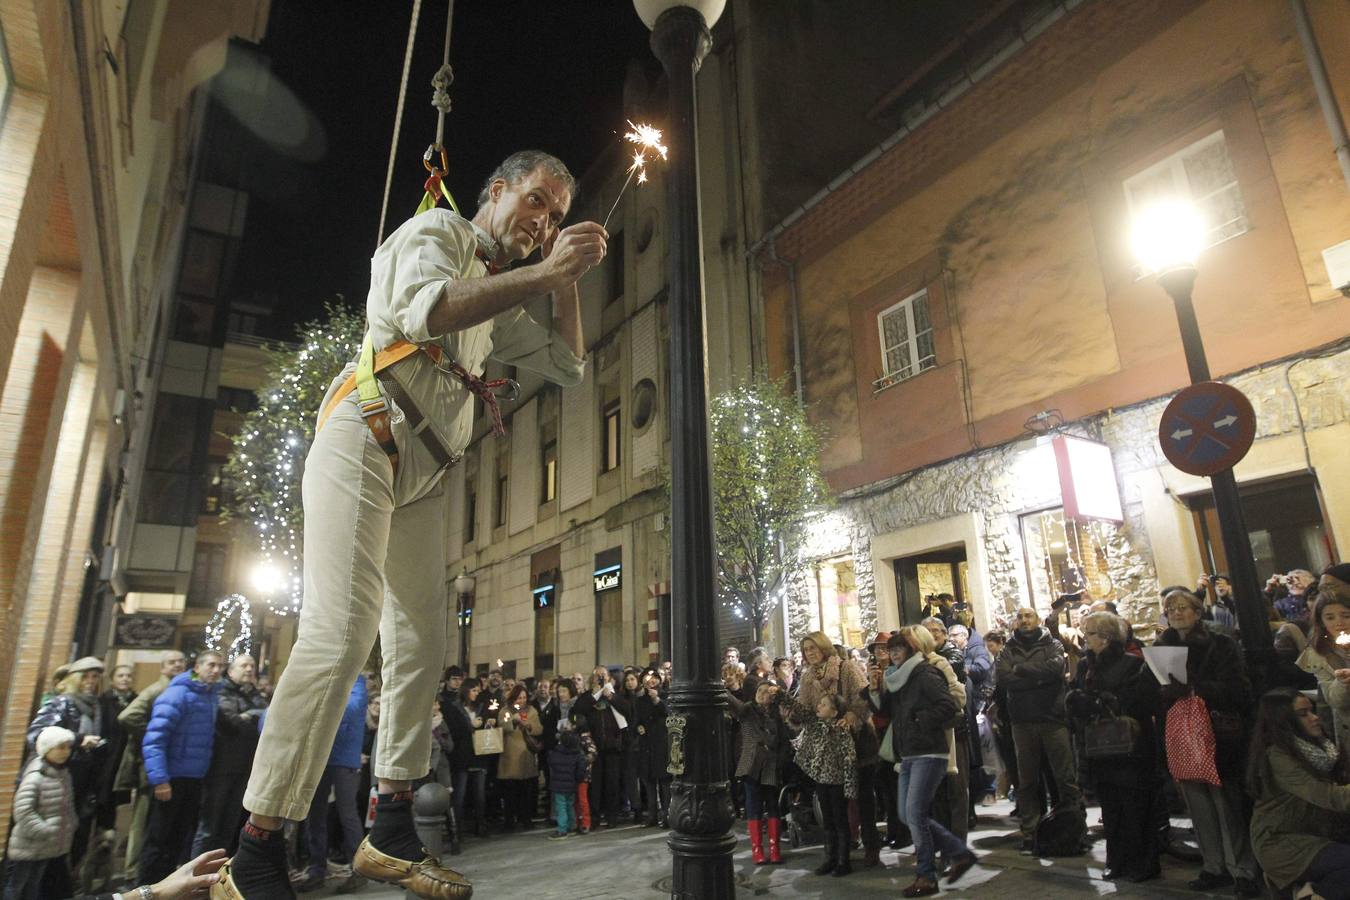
53	736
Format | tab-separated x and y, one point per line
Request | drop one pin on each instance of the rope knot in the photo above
441	81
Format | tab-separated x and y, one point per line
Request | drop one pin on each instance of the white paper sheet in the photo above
1165	661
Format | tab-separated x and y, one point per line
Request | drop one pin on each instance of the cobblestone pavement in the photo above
632	863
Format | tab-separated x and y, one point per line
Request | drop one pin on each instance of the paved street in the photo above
634	864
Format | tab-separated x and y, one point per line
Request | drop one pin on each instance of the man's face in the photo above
1299	580
527	213
1028	620
508	684
454	682
121	679
1222	587
960	638
208	669
731	655
938	632
265	686
494	680
244	670
600	676
172	665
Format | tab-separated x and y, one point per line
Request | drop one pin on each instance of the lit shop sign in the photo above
1087	479
543	597
608	578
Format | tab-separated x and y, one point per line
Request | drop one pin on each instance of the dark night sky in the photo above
528	73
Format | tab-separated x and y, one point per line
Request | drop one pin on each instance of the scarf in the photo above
565	710
91	715
897	676
1319	755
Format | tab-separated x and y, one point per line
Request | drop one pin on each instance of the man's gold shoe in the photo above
427	878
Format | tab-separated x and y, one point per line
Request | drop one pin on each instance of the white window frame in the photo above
917	364
1176	165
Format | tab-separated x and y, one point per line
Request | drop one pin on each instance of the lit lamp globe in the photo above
650	10
266	578
1168	235
464	583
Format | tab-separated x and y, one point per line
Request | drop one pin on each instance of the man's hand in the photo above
574	251
1343	676
164	792
89	742
192	879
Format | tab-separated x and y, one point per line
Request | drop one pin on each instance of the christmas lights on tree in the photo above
264	470
766	484
235	607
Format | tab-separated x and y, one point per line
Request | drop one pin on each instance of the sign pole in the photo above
1255	629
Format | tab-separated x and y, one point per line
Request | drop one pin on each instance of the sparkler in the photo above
648	140
1343	639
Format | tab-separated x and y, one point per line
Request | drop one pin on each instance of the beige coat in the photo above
1335	692
958	692
517	761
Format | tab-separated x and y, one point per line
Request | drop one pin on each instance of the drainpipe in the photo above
1325	98
796	320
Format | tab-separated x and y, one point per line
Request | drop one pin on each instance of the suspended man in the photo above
374	549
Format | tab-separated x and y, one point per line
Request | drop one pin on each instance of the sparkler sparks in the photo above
1343	639
648	140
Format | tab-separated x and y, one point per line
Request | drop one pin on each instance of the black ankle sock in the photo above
393	832
259	866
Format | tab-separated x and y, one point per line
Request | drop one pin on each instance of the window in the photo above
545	599
1065	556
471	517
1202	173
499	518
614	267
906	334
610	429
1285	524
208	574
550	467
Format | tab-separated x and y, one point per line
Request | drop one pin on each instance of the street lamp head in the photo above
465	583
1167	235
266	578
650	10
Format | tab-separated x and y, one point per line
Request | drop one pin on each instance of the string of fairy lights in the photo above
264	471
234	607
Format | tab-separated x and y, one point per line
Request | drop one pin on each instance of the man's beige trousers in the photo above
374	561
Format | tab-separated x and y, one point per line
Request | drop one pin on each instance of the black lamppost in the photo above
701	841
1167	239
464	585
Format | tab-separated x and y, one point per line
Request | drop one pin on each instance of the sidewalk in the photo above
633	863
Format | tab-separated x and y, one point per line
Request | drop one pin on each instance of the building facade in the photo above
964	298
99	121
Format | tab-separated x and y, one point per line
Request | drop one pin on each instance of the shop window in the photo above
470	517
499	514
1065	556
834	594
906	334
610	423
545	615
1202	173
1285	524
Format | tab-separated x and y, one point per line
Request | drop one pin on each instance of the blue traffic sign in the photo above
1206	428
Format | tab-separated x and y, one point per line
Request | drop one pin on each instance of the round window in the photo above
644	403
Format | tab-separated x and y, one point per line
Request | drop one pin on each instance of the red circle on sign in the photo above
1207	428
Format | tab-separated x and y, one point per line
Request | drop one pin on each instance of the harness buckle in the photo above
510	392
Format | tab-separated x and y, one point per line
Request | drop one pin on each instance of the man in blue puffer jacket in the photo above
177	750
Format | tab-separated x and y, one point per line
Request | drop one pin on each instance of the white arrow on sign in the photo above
1225	421
1181	433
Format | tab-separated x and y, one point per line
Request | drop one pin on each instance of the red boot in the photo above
756	841
775	851
583	807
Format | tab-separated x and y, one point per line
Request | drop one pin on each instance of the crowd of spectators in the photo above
900	742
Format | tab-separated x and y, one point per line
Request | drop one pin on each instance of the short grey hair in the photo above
522	164
1109	625
934	620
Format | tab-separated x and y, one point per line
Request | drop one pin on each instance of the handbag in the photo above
487	741
887	750
1110	736
1189	738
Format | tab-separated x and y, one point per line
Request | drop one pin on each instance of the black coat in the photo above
457	722
600	721
236	734
116	737
1117	683
653	741
920	712
1030	672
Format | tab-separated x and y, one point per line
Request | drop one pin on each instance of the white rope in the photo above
441	81
398	117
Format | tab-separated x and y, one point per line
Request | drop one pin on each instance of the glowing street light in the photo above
266	578
1168	237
